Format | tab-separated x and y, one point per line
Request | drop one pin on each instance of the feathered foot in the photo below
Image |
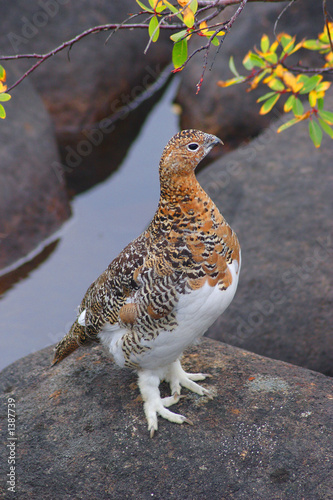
149	381
177	378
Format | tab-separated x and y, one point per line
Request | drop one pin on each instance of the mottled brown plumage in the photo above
140	307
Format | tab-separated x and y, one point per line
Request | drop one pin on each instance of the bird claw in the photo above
154	405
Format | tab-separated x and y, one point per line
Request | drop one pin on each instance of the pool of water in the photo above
41	306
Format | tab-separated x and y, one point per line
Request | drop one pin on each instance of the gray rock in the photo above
94	79
81	432
232	113
33	200
276	192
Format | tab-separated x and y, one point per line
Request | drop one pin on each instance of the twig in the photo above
96	29
326	23
303	69
285	8
227	28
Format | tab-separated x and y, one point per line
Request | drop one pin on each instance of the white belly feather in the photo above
195	312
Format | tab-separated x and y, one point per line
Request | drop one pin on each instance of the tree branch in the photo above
227	28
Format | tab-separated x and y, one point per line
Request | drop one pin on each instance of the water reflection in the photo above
38	309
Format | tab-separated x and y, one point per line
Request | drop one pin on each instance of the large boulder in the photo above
33	199
90	89
81	431
96	77
232	113
276	192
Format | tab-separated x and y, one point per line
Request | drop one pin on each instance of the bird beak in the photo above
212	141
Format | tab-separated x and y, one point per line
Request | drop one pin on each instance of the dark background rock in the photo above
232	113
33	200
276	192
99	77
81	431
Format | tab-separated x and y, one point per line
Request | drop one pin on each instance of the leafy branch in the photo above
269	66
183	19
3	95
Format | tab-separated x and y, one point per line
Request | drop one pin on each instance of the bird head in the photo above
184	152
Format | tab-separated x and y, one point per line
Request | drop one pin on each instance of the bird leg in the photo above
149	381
177	378
154	405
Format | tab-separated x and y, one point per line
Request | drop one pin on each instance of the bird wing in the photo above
104	299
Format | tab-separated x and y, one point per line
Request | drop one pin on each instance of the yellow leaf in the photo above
313	98
323	86
3	87
203	27
279	70
268	78
297	47
232	81
274	46
290	81
188	17
255	82
3	76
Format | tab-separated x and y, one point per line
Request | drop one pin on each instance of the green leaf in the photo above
2	112
232	66
256	60
315	133
288	48
5	97
160	8
215	41
288	124
2	73
320	103
327	116
310	84
312	44
178	36
284	40
143	6
173	9
288	105
154	29
247	62
276	84
179	53
264	43
271	57
267	106
194	6
326	128
266	96
298	108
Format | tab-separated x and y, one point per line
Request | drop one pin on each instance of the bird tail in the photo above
74	339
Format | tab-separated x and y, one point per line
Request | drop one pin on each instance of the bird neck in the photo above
182	201
177	190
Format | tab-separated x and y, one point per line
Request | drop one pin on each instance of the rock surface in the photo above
232	113
81	432
95	79
276	192
33	200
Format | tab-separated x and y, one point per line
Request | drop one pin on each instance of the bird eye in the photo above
193	146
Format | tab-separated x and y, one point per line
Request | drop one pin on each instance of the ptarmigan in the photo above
167	287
